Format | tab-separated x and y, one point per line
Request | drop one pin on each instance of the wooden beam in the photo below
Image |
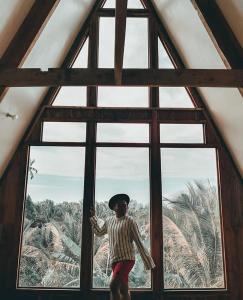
116	115
220	32
131	77
90	163
131	13
120	32
27	35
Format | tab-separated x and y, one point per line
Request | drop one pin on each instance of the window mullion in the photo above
89	175
155	171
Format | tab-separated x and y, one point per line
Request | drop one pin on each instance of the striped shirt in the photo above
122	232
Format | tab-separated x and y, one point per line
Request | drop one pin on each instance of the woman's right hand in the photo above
92	211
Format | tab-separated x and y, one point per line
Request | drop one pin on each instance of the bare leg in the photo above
125	293
115	289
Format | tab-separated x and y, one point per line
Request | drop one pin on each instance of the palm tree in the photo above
32	170
192	239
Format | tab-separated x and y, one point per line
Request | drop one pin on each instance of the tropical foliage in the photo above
192	239
51	243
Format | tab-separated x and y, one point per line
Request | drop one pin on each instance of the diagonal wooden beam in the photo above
120	32
220	32
27	35
132	77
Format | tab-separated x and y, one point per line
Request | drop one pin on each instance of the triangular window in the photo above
171	97
110	4
130	4
82	59
134	4
74	95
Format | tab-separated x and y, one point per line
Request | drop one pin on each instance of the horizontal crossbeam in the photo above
130	77
116	115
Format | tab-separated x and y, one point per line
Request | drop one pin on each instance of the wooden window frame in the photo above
152	115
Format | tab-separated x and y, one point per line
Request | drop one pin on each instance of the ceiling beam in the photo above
131	77
220	32
27	35
129	115
120	31
131	12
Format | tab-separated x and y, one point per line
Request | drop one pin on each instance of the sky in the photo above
118	170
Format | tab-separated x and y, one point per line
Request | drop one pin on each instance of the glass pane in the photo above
122	170
63	132
82	59
174	97
71	96
134	4
110	4
113	132
130	4
164	60
107	43
181	133
123	96
51	240
191	219
136	43
74	95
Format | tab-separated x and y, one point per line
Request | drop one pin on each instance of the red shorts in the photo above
121	269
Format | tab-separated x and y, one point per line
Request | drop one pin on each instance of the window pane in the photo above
82	59
74	95
63	132
122	170
51	240
191	219
110	4
136	43
181	133
123	96
113	132
71	96
174	97
134	4
107	43
164	60
130	4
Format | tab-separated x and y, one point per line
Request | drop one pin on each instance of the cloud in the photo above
181	133
59	161
194	163
117	132
64	132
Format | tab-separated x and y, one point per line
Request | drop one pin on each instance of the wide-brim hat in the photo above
118	197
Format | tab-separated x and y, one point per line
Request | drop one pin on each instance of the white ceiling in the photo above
183	25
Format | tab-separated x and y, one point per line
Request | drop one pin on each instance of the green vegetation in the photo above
51	243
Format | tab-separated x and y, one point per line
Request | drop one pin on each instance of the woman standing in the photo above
122	231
